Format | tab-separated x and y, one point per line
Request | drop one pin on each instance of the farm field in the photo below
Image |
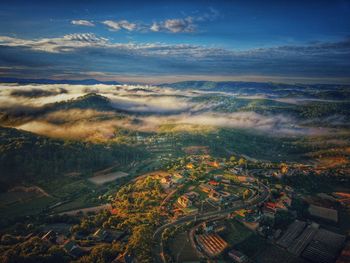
181	249
105	178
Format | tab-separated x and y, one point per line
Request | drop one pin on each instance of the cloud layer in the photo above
135	108
79	54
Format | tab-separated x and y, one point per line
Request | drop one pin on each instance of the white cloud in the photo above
82	23
184	25
155	27
66	43
122	24
178	25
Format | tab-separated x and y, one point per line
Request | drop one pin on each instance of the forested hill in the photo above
25	157
92	101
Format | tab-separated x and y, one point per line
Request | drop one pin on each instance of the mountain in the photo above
88	101
92	101
224	85
52	81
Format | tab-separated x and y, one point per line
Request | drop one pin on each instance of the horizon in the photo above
169	41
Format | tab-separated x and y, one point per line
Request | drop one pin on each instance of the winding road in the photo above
158	253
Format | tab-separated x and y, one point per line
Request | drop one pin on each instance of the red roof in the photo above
212	182
271	205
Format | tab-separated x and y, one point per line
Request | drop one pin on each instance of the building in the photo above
184	201
293	231
192	195
214	164
236	170
323	213
50	236
214	226
213	183
206	188
177	178
284	202
73	249
269	210
245	179
215	196
166	182
324	247
107	235
189	166
100	234
237	256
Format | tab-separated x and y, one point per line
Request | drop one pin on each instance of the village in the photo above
215	205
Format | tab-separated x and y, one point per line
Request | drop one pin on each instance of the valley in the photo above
125	171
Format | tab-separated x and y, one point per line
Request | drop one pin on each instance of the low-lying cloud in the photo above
135	108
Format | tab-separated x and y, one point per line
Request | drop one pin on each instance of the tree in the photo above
232	158
242	161
283	219
139	243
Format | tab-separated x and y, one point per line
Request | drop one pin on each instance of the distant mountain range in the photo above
52	81
231	85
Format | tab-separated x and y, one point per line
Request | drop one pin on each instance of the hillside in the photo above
91	101
25	157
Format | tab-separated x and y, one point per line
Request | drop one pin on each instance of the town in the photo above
200	208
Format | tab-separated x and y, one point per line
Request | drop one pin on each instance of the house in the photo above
184	201
237	256
245	179
101	234
206	188
166	182
107	235
214	164
269	210
215	196
50	236
236	170
271	206
226	181
177	178
283	202
73	249
213	183
214	226
189	166
192	195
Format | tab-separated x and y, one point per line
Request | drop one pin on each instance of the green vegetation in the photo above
236	233
25	157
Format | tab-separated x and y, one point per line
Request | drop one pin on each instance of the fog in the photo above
137	108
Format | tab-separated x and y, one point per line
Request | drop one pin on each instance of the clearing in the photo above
105	178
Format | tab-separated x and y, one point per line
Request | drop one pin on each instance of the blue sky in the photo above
162	41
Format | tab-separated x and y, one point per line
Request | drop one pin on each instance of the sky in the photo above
168	41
